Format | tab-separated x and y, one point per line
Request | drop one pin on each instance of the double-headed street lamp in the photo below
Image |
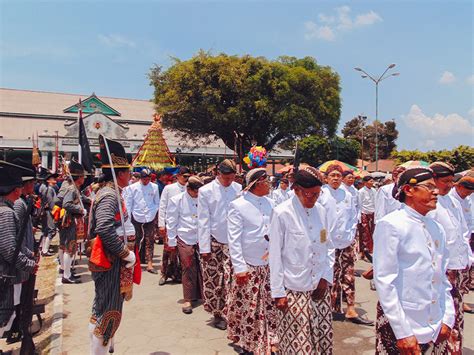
384	76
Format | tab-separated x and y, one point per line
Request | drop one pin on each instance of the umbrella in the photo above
288	168
323	167
412	163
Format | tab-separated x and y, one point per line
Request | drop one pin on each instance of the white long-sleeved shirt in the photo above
340	214
168	192
248	222
181	219
384	202
142	201
467	207
410	263
280	195
300	248
448	213
355	198
367	200
214	200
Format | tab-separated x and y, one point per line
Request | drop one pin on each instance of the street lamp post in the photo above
377	81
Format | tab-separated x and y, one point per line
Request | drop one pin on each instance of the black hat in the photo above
184	170
45	174
412	176
442	169
253	176
195	183
76	169
11	176
467	180
227	166
367	178
27	176
347	172
145	173
308	177
117	153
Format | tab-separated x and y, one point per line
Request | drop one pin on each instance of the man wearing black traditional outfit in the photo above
111	259
10	191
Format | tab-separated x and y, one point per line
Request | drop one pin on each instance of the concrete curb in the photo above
57	326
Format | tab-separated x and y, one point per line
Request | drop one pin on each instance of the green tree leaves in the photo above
264	102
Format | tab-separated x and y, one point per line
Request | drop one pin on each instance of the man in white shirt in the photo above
384	201
342	222
251	313
182	224
142	200
169	264
214	200
282	193
301	269
448	213
367	207
462	192
348	180
415	306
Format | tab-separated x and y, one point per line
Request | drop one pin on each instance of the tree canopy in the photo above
387	132
462	157
316	150
247	100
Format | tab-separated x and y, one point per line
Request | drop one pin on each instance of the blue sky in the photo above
107	47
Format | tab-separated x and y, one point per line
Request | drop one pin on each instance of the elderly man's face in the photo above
423	196
444	184
308	196
334	179
349	180
226	179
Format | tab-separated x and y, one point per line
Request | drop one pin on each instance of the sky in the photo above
108	47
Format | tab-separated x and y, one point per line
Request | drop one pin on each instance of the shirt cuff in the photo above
279	293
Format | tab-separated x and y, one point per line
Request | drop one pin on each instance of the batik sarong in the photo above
170	265
252	316
386	342
305	327
145	238
366	231
216	275
344	280
459	281
191	271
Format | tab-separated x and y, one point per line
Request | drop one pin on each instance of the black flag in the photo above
296	160
85	155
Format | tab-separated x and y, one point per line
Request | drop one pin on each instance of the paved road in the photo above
153	323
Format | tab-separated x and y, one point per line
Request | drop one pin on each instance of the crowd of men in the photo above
272	259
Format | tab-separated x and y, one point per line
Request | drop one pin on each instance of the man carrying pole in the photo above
111	260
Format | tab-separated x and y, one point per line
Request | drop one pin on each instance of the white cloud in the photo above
438	126
447	78
320	32
367	19
470	79
471	112
328	27
115	41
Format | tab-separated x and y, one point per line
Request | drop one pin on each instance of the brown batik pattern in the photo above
191	272
305	327
344	280
366	231
458	290
251	313
386	342
216	275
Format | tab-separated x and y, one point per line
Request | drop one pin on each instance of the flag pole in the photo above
117	192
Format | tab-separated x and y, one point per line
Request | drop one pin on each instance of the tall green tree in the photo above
316	150
387	133
247	100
